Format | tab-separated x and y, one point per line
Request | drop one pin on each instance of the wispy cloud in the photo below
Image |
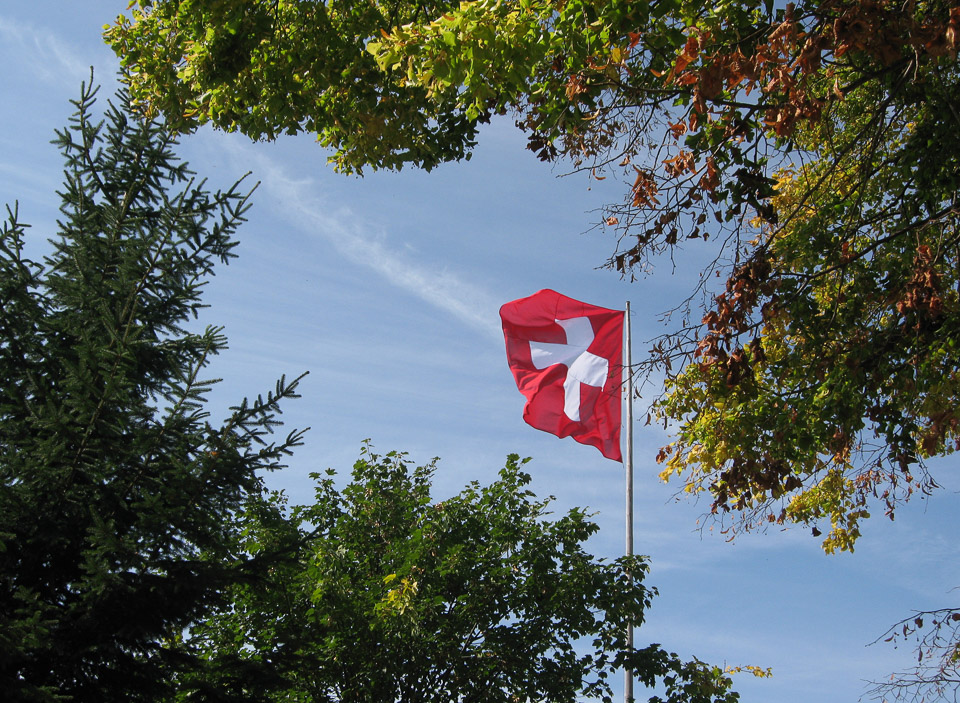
362	243
38	52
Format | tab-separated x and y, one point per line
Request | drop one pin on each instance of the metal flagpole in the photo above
628	470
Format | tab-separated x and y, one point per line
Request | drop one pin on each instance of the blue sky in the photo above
386	289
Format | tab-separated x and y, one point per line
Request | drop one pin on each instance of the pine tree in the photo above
118	497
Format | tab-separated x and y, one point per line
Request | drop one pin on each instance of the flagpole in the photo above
628	470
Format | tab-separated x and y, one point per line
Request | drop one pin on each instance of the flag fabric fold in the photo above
567	359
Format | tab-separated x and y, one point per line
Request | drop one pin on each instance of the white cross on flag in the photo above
566	357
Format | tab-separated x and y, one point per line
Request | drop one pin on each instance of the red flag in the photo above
566	357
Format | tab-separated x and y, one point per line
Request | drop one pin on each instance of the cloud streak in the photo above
42	54
351	237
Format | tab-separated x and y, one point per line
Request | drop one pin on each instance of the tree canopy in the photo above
116	490
398	597
818	141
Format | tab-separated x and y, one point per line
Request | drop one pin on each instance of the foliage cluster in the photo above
394	596
267	68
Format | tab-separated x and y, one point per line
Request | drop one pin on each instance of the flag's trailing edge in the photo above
567	359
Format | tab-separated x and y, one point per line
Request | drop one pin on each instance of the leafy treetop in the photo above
394	596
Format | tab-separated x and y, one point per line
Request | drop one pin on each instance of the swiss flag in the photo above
566	357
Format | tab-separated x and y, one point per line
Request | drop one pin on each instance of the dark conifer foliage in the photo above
118	496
